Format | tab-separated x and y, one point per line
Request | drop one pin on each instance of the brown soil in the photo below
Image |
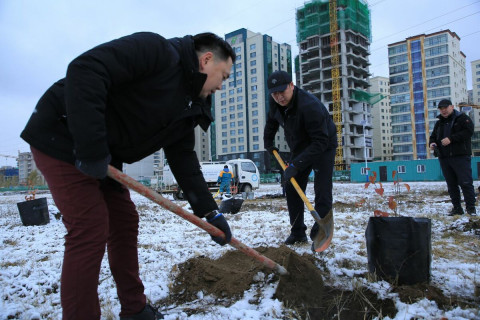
303	290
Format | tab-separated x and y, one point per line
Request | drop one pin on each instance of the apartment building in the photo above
381	122
241	106
424	69
474	100
315	64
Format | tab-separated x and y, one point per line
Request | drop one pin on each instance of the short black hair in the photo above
208	41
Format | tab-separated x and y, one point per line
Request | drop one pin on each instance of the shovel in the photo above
212	230
323	237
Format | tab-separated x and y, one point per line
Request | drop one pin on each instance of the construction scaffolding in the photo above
314	19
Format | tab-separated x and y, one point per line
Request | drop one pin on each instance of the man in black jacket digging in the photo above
451	141
120	102
312	138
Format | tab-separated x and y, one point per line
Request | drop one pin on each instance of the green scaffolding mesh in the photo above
370	98
314	18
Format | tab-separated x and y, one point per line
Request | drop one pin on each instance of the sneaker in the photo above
294	239
456	211
148	313
471	211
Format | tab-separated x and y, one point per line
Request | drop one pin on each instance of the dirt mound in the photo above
302	290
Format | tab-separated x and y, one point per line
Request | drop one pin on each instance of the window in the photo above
239	98
240	114
254	104
239	57
253	63
238	49
255	138
238	65
232	132
231	100
240	131
255	129
232	116
224	133
224	110
223	95
224	118
254	88
231	83
239	90
223	103
224	142
240	106
231	108
240	123
253	46
248	166
255	113
224	150
231	91
253	54
241	148
255	147
239	81
254	96
233	149
255	121
254	79
241	139
233	140
364	171
239	73
420	168
253	71
224	126
401	169
232	124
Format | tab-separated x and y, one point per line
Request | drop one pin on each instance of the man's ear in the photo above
204	59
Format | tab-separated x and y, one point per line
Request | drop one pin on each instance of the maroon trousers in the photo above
96	214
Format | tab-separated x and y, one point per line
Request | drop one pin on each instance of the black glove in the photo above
217	219
290	172
271	148
94	168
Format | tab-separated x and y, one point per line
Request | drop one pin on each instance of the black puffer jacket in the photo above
309	128
129	98
461	131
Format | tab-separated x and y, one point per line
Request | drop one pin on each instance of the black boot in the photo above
292	239
472	211
455	211
148	313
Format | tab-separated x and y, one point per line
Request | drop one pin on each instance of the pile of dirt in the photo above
302	290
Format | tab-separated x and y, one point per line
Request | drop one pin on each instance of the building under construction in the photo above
342	53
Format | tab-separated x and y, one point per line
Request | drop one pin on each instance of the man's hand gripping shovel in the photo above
212	230
322	230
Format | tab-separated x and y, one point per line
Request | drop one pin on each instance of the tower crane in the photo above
337	106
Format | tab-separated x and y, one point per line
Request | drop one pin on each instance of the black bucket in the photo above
34	212
399	249
231	205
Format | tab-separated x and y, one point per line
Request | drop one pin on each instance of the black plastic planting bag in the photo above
231	205
399	249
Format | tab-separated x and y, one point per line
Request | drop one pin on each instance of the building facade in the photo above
424	69
474	110
26	165
241	106
475	82
381	122
315	64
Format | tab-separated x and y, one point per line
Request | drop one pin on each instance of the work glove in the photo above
271	148
94	168
290	172
217	219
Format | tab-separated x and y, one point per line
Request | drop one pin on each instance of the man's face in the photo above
216	70
283	98
446	111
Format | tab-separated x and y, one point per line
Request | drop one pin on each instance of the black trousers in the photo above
458	172
323	185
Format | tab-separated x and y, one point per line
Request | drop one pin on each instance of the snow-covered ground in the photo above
31	257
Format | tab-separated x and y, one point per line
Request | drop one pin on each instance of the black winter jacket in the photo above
309	128
461	130
129	98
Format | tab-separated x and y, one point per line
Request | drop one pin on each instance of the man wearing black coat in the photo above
120	102
311	136
451	142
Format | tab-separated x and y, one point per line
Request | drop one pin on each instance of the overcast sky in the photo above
39	38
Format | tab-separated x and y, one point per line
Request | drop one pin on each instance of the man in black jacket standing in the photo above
120	102
451	141
311	136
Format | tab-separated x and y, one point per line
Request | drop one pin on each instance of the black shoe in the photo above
471	211
456	211
294	239
148	313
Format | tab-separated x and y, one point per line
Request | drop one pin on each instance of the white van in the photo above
246	177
